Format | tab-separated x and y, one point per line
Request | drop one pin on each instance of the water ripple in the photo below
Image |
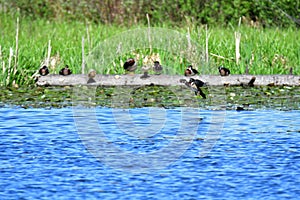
256	157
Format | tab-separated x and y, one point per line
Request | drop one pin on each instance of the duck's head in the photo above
187	72
92	73
130	65
190	67
44	70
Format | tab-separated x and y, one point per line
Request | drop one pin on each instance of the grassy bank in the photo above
265	51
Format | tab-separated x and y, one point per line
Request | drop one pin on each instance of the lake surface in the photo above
149	153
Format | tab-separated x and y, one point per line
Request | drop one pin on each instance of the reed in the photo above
82	54
264	51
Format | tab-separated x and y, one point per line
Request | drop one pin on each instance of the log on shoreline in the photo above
167	80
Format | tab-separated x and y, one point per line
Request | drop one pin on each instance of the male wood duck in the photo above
44	71
65	71
130	65
195	86
91	75
157	68
223	71
190	71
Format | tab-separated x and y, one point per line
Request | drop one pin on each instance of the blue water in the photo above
47	154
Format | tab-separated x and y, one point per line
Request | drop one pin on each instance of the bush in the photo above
282	13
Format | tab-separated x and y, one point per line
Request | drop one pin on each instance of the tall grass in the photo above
264	51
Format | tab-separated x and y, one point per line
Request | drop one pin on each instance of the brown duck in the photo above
65	71
190	71
130	65
44	71
223	71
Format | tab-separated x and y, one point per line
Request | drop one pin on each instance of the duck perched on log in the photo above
250	83
44	71
91	76
223	71
65	71
130	65
157	68
190	71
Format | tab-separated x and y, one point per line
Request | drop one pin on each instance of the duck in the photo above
157	68
91	76
145	75
223	71
130	65
195	85
65	71
249	84
145	70
44	70
190	71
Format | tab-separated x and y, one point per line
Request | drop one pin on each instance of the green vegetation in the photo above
218	98
266	51
269	36
282	13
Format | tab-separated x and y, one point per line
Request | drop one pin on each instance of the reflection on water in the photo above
43	157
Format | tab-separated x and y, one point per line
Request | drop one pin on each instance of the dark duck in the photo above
223	71
65	71
91	76
190	71
130	65
195	85
44	71
157	68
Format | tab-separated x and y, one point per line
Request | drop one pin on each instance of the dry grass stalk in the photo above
206	44
221	57
3	67
17	47
189	40
9	65
0	52
252	59
237	36
3	63
49	53
88	36
149	33
237	47
82	51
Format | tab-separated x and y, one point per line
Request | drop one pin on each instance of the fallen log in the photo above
167	80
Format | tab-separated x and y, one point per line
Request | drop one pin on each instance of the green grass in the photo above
266	51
